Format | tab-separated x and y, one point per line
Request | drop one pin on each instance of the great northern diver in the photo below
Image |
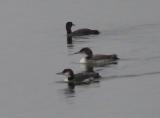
96	59
79	78
79	32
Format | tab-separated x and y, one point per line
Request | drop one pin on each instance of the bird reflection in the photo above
69	40
71	86
69	95
90	70
79	40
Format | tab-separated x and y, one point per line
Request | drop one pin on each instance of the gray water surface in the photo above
33	49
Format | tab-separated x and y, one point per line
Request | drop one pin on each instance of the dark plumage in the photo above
79	78
79	32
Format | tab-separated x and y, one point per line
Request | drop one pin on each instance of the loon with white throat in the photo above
98	58
79	78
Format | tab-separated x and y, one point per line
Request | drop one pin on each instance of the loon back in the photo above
112	57
85	31
100	60
86	77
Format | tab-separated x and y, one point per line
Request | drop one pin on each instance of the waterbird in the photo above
79	32
79	78
100	59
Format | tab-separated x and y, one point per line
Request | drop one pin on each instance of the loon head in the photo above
68	73
87	51
68	27
69	24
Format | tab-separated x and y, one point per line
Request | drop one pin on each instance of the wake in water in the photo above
130	75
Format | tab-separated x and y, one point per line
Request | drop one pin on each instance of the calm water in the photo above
33	48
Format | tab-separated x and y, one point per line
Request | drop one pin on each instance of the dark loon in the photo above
79	32
79	78
99	58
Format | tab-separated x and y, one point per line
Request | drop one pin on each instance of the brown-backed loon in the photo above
98	58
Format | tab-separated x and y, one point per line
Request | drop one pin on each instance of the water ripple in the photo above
131	75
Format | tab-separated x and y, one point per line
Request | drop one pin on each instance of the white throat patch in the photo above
66	79
83	60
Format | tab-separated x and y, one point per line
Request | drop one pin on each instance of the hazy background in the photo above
33	48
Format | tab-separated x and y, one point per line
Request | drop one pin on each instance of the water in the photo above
33	48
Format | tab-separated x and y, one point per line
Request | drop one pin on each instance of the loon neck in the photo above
71	77
68	29
71	86
85	59
89	54
69	39
89	68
